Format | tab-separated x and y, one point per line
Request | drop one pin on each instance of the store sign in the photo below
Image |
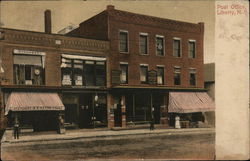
66	80
152	77
28	52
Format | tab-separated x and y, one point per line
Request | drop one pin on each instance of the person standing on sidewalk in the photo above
16	129
152	127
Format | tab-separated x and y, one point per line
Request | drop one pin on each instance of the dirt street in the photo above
155	146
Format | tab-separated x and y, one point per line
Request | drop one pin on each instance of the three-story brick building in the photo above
150	59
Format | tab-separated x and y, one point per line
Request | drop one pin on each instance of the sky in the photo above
29	15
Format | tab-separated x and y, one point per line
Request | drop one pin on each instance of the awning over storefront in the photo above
33	101
81	57
188	102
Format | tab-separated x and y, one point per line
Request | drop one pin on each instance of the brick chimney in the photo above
110	7
47	21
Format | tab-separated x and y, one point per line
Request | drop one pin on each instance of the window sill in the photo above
161	55
144	54
124	52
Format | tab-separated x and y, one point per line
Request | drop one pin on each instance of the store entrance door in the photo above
86	110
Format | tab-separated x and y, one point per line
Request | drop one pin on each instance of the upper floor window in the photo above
28	69
191	49
177	47
160	45
124	73
160	75
192	76
123	41
83	72
144	73
143	43
177	76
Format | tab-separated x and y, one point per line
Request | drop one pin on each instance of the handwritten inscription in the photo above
232	10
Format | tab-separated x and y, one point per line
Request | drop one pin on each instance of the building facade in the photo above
46	75
149	58
116	69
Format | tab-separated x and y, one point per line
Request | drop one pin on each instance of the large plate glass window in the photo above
28	69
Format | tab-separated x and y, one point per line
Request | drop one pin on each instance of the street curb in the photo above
182	132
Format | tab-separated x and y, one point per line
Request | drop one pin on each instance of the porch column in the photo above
110	106
123	110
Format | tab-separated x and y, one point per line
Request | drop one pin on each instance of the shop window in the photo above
144	74
191	49
123	41
177	48
160	45
160	75
143	43
100	74
177	76
192	77
28	70
124	73
67	72
83	72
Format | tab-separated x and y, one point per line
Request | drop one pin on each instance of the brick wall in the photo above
136	23
134	59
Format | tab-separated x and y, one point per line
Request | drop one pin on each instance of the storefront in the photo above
138	106
191	107
35	110
85	109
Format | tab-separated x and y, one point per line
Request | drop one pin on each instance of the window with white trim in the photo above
144	74
160	45
177	48
143	43
191	49
124	73
160	75
192	76
123	37
28	69
177	75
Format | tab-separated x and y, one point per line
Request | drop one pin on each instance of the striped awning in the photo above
34	101
188	102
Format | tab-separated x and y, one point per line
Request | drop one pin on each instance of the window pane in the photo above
143	44
192	49
66	76
124	74
192	74
192	79
123	41
100	75
143	74
177	76
177	48
89	71
159	46
160	75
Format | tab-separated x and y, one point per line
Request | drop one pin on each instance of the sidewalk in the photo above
96	133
